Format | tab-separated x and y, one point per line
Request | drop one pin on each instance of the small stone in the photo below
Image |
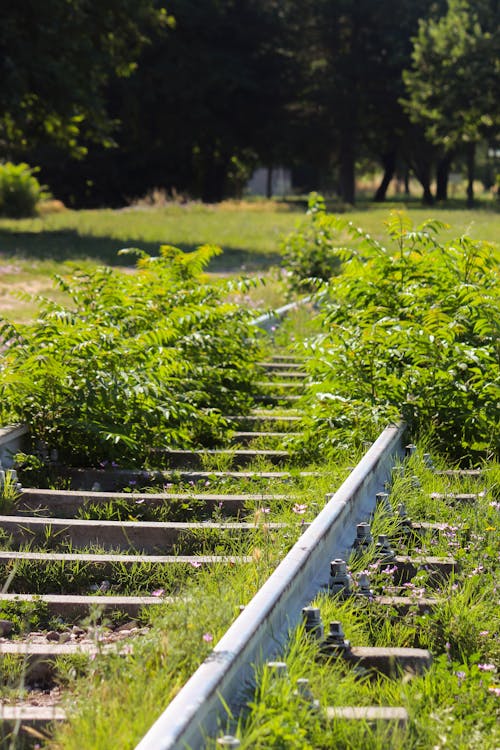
76	630
64	637
6	627
127	626
53	635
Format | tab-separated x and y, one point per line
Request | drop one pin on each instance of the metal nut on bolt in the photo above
363	536
313	625
383	549
335	643
303	692
340	580
277	668
403	518
397	472
428	462
364	585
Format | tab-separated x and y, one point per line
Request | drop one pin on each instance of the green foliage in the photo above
137	361
20	190
9	491
60	98
411	329
310	253
451	86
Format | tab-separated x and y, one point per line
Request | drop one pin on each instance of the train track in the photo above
250	660
63	549
52	531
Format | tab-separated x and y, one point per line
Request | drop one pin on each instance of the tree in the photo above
452	87
56	59
352	59
202	106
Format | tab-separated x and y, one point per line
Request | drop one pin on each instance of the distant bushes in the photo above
20	191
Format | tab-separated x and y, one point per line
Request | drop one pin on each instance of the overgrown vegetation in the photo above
135	361
310	252
411	328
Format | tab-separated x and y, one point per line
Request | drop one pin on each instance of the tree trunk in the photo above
347	178
407	182
471	169
389	164
422	171
442	175
214	178
269	182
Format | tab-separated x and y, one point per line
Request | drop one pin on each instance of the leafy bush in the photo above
136	361
20	190
310	252
412	329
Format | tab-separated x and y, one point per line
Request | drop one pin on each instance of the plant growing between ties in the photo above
310	253
410	329
134	363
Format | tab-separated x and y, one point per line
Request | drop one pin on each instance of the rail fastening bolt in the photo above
363	536
382	502
303	692
428	462
277	668
364	585
313	624
403	518
397	472
383	549
335	642
401	511
340	580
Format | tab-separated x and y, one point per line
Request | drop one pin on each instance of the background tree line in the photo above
114	98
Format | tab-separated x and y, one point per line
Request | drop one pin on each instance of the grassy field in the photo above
32	250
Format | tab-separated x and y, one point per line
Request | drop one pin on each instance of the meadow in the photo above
250	233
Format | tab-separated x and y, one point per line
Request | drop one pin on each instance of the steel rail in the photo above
274	317
260	631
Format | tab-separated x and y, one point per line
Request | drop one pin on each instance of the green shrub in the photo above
134	363
311	252
20	190
411	329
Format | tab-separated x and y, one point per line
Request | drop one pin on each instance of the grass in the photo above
450	706
32	250
455	703
180	636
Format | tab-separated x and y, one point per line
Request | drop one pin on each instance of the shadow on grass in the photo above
69	245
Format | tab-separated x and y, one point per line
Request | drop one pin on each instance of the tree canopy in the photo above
194	105
454	81
56	59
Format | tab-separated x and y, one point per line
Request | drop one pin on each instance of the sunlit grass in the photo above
455	703
32	250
